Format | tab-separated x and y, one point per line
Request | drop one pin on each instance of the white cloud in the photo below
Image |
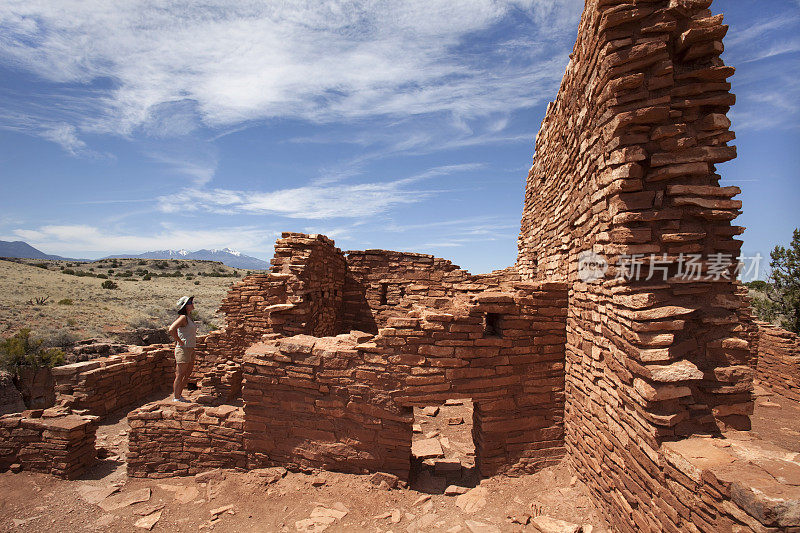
66	136
87	239
174	65
316	201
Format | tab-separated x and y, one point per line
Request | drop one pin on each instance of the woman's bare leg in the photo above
189	368
180	377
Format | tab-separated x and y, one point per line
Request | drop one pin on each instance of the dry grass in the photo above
96	311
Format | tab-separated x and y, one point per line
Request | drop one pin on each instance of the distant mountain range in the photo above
226	256
23	250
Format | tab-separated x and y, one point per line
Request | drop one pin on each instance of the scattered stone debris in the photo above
322	518
379	478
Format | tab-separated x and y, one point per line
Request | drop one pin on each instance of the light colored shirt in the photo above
188	333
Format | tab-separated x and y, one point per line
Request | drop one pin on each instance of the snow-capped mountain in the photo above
226	256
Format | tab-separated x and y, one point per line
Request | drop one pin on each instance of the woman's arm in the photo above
173	329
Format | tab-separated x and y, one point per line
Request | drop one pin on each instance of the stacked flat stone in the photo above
345	403
171	438
382	284
102	386
62	446
779	360
624	165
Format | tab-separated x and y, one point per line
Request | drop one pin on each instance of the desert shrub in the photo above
147	277
102	276
65	301
60	338
161	265
110	285
141	262
110	270
41	265
189	277
69	271
197	283
22	350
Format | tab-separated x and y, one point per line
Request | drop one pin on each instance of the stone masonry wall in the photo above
779	360
62	446
382	284
177	439
344	403
624	168
104	385
302	293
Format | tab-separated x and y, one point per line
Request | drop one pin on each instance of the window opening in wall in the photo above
491	325
384	293
442	447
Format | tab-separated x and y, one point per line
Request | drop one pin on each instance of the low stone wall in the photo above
732	484
119	381
178	439
62	446
779	360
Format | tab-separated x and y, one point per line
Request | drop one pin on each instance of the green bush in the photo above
197	283
69	271
110	285
41	265
102	276
22	350
66	301
147	277
757	285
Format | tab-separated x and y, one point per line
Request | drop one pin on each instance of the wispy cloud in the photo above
72	239
170	68
314	201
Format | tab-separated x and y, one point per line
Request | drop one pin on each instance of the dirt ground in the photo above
38	502
94	311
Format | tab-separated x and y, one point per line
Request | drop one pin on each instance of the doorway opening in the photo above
443	448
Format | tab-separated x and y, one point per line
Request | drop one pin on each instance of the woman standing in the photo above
184	331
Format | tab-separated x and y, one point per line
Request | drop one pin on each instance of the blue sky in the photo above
399	125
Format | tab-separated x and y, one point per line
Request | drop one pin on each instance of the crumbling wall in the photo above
779	360
624	168
302	294
382	284
10	398
344	403
104	385
177	439
62	446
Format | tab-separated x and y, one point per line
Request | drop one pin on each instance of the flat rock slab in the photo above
479	527
118	501
94	495
472	500
431	410
545	524
147	522
427	448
